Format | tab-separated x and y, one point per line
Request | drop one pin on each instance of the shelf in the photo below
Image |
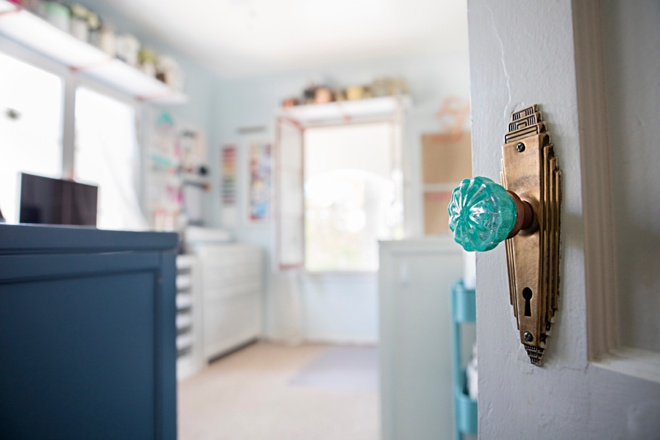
37	34
463	303
465	408
130	80
347	111
466	413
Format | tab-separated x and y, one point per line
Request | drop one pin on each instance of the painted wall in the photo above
299	307
514	63
334	308
199	82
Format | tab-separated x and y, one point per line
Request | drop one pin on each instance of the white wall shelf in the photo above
88	61
347	111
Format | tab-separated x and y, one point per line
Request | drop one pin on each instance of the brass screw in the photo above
520	147
528	337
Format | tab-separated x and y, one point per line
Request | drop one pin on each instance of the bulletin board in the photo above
436	217
446	160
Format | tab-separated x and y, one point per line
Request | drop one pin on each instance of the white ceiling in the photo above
249	37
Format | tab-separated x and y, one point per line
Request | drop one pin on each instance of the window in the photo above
31	105
107	155
351	196
351	190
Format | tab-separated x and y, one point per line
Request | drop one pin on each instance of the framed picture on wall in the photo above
259	188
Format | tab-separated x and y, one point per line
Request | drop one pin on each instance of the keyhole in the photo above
527	294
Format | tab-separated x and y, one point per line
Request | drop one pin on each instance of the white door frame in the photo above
550	53
603	327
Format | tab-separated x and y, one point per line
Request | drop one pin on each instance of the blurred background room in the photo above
305	151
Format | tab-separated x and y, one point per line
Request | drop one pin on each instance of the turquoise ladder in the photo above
465	409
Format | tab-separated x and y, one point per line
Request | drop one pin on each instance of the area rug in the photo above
341	369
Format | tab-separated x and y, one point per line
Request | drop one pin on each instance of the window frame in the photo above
71	81
397	121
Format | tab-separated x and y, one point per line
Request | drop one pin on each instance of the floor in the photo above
274	392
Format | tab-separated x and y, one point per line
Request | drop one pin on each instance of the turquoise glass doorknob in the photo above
483	213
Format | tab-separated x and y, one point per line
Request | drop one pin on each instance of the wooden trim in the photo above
599	248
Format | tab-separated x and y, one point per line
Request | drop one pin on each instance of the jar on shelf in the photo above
323	95
107	41
58	15
170	72
127	49
398	86
148	60
354	93
35	6
80	22
381	87
309	93
290	102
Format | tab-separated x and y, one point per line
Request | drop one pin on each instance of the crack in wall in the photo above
506	72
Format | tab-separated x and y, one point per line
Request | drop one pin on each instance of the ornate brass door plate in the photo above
529	169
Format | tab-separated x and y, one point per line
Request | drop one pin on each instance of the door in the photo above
592	66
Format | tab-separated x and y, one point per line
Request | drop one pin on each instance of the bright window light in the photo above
352	196
107	155
31	102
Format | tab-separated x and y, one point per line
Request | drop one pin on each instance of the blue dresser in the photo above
87	334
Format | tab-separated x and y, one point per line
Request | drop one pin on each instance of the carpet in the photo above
341	369
248	395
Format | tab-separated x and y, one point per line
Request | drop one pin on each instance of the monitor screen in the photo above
57	202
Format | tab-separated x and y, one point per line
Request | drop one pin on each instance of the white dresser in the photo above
188	316
231	291
415	337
